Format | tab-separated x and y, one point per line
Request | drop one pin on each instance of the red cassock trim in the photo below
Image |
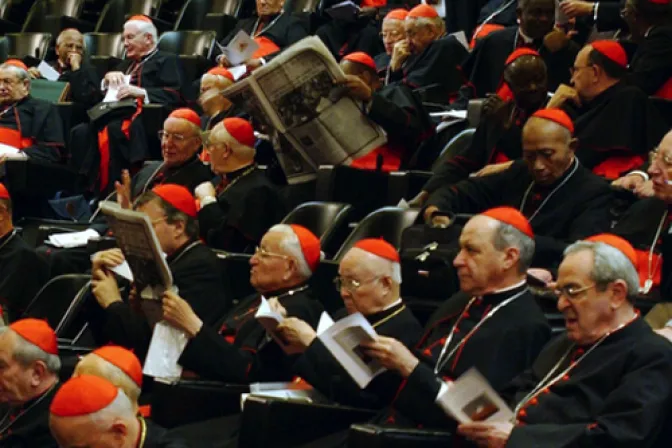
266	47
643	266
12	137
665	91
391	159
614	166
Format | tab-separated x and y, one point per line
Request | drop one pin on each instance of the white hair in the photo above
26	353
121	406
145	28
59	39
18	71
434	22
380	266
116	376
291	245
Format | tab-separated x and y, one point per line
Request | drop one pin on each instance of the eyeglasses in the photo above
571	292
264	254
351	284
663	159
577	68
163	135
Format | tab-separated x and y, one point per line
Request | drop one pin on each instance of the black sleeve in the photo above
401	123
85	86
169	83
202	286
127	328
653	67
609	16
49	144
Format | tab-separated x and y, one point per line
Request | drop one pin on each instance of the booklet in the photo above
48	72
346	11
72	239
343	340
270	319
240	48
471	399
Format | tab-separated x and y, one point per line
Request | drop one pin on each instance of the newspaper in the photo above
471	399
294	98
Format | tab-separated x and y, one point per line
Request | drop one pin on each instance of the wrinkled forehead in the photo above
272	242
8	73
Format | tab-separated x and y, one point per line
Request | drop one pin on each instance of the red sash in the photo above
266	47
12	137
614	166
665	91
484	31
391	159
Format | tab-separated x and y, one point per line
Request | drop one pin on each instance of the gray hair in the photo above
145	28
609	265
506	236
59	39
26	353
292	246
121	406
380	266
18	71
117	377
435	22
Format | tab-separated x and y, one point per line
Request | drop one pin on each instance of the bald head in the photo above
548	149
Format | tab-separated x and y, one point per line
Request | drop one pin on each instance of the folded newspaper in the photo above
294	97
343	340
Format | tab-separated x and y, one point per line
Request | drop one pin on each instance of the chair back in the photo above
228	7
192	15
20	45
324	219
104	44
456	145
52	91
188	43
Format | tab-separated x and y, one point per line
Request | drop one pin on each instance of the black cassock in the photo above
618	395
238	349
158	437
23	274
557	219
434	72
247	206
651	65
482	69
198	278
318	366
382	61
86	75
616	130
30	427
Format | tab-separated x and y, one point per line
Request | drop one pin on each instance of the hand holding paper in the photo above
296	333
240	48
178	313
391	354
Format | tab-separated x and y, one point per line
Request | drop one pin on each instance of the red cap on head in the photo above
4	194
512	217
361	58
618	243
612	50
241	130
37	332
396	14
179	197
124	359
310	246
559	116
423	10
16	63
524	51
140	18
379	247
186	114
83	395
221	71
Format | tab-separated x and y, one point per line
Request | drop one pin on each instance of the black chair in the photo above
222	17
104	50
20	45
192	15
188	43
112	17
236	266
458	143
6	24
375	436
4	49
302	6
327	220
665	108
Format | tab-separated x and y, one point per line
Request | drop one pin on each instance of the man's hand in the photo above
253	64
645	190
130	92
556	40
629	182
297	333
74	61
34	73
178	313
123	189
357	88
104	287
400	53
498	109
487	434
223	61
114	79
576	8
436	221
419	200
392	354
495	168
204	190
107	259
277	307
563	94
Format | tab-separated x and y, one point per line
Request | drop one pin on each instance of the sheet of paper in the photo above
462	38
403	204
457	114
6	150
111	95
325	322
123	270
238	71
240	48
165	349
72	239
48	72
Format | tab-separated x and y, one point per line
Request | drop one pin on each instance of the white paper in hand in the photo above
123	270
48	72
238	71
112	91
325	323
267	316
240	49
6	150
461	38
165	350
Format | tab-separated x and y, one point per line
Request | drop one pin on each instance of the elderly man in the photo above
29	366
392	31
543	186
17	260
238	349
102	149
427	56
606	381
235	215
615	123
196	272
91	411
30	125
215	106
273	29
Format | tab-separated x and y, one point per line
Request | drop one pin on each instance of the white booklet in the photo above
7	150
240	48
48	72
165	349
471	399
270	319
112	91
343	340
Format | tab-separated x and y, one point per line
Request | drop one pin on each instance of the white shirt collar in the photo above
526	39
393	304
509	288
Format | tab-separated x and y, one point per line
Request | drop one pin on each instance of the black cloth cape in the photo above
651	66
619	395
23	275
31	430
318	366
243	212
238	350
566	217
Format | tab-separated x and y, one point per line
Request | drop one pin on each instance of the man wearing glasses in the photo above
392	31
606	381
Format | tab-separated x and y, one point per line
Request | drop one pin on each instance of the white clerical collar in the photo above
647	32
393	304
526	39
510	288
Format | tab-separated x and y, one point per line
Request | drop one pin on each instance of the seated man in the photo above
238	349
369	281
272	28
29	366
195	269
91	411
247	204
482	69
392	31
350	34
102	149
427	57
396	108
17	260
30	125
606	381
543	186
615	123
215	106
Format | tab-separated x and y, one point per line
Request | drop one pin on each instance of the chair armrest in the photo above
374	436
284	423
